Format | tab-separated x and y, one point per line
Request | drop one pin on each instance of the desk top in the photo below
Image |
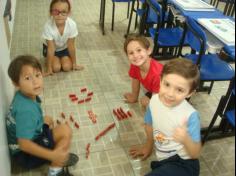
212	14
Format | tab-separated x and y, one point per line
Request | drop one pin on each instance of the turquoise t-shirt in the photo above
24	120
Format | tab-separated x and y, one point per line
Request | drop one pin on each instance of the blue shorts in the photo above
29	161
59	54
175	166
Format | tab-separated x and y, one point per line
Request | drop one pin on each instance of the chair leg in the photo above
217	113
128	9
113	16
130	18
210	88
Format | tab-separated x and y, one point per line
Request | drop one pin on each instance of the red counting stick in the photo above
120	114
117	115
88	146
72	95
90	94
129	113
63	115
123	113
105	131
88	99
74	99
87	150
76	125
92	116
71	118
81	101
83	90
114	112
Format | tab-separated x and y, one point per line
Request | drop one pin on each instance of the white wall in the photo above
6	93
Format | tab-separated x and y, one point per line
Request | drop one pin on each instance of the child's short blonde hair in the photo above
185	68
139	38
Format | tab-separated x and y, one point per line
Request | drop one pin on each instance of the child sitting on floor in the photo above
59	34
172	124
143	69
32	138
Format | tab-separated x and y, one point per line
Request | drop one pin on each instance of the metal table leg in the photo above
102	16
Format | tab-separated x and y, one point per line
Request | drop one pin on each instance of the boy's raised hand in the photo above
144	152
181	133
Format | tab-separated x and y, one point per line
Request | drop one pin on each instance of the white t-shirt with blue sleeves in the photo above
165	120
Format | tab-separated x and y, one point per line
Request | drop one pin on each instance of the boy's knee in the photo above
66	131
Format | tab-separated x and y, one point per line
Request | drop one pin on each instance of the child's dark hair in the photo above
184	68
16	65
136	37
56	1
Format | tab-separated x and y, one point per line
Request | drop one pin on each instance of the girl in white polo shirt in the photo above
59	34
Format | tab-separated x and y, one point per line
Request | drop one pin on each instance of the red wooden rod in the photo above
105	131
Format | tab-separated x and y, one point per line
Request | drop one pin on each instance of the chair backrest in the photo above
155	9
229	9
196	36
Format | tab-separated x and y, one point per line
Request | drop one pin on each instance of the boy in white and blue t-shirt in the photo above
172	125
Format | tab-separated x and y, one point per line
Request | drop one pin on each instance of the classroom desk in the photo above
205	14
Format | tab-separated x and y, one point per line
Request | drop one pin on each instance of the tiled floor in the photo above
106	75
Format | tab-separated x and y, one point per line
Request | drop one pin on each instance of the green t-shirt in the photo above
24	120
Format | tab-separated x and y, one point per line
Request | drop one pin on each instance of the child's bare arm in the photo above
72	52
50	55
58	155
181	135
146	150
193	148
49	121
71	49
133	96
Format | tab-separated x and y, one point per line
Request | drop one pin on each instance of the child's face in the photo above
137	54
30	82
60	11
174	89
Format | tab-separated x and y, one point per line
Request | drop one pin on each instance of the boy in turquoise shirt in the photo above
32	138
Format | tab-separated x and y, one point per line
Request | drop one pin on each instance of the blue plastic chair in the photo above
151	18
212	68
139	13
230	51
226	111
229	6
113	10
163	37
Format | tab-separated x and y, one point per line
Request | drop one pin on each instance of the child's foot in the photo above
72	160
78	67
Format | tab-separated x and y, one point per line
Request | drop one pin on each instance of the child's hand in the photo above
49	121
78	67
181	133
144	152
129	98
144	101
48	73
